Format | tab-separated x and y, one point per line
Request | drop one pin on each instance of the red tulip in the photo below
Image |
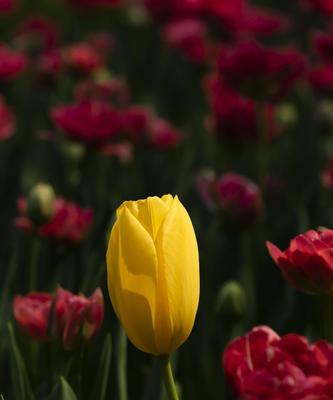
189	36
90	122
307	264
162	135
264	366
83	57
239	198
323	45
261	72
234	117
11	63
32	314
73	313
6	5
323	6
7	120
69	223
321	79
327	176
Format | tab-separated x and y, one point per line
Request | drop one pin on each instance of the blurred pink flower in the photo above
83	57
189	36
7	120
234	117
38	31
31	312
323	45
264	366
162	135
259	71
7	6
76	313
69	223
12	63
323	6
91	122
113	89
327	176
321	79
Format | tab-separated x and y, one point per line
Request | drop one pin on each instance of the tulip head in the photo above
153	273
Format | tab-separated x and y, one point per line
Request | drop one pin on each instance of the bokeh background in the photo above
128	99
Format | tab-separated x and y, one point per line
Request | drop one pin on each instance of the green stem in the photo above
122	365
168	378
34	258
327	310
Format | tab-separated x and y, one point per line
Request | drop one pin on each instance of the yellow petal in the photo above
178	279
150	212
132	279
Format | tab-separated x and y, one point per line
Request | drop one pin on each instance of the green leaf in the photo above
66	390
20	381
104	368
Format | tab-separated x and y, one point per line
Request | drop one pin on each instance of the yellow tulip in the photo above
153	273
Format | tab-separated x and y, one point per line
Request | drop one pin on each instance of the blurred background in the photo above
226	104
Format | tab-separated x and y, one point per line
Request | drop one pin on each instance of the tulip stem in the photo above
122	365
34	258
169	382
327	307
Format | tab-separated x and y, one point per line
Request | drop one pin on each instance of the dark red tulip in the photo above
76	313
7	120
12	63
189	36
307	264
321	79
83	57
90	122
31	312
261	72
69	223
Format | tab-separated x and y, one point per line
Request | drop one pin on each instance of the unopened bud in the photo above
41	203
287	115
231	302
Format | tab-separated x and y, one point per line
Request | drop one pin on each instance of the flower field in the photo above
166	192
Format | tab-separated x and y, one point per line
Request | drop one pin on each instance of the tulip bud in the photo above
287	115
40	206
231	303
153	273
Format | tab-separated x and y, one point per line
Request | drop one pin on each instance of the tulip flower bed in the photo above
166	181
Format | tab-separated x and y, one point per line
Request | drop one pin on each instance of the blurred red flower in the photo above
83	57
307	264
90	122
7	120
12	63
32	314
189	36
264	366
323	6
113	89
76	313
237	197
327	176
38	31
162	135
261	72
321	79
69	223
323	45
6	5
235	117
48	65
95	3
